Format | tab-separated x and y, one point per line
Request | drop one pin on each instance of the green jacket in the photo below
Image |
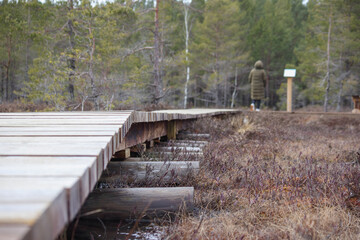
257	79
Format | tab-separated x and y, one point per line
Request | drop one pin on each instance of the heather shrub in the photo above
276	176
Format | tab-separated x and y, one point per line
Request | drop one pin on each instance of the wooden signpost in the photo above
289	74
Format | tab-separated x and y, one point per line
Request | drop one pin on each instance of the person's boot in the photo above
258	109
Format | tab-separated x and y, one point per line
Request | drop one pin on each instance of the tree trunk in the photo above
2	81
157	73
7	72
27	56
186	19
327	77
226	90
217	84
71	60
94	92
235	88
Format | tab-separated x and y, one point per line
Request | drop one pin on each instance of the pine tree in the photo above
217	47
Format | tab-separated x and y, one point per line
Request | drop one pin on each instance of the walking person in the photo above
257	79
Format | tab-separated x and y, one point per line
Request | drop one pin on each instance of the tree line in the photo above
76	55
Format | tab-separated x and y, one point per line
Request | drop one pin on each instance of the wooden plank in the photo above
51	149
131	171
83	168
197	111
54	131
56	134
180	144
60	118
142	132
41	189
74	113
45	219
123	154
179	149
125	203
13	231
190	142
26	122
59	140
59	128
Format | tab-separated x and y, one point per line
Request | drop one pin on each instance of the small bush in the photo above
273	176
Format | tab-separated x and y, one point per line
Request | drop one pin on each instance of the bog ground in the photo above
276	176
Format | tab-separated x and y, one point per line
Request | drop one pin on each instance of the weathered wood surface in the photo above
182	144
50	162
135	203
13	231
179	149
189	136
132	171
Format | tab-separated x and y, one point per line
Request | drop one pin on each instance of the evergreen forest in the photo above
90	55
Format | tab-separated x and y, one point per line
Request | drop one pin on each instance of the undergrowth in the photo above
273	176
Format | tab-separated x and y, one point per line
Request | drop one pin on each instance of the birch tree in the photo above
187	36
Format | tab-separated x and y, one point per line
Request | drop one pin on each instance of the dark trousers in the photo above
256	103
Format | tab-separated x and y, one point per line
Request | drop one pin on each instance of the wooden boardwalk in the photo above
50	162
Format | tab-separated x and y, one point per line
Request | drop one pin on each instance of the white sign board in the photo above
289	72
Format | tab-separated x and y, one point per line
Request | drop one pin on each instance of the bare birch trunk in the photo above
225	91
327	77
157	73
186	19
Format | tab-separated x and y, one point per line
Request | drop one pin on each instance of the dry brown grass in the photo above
18	106
272	176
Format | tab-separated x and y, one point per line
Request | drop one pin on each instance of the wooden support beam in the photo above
184	149
178	156
171	130
123	154
139	148
131	171
194	136
138	203
142	132
182	144
150	144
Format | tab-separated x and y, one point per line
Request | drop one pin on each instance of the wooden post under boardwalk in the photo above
138	203
289	74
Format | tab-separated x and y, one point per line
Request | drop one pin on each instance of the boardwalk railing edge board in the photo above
89	139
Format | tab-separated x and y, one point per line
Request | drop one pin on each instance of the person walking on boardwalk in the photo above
257	79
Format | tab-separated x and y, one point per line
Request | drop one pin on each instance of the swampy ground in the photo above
276	176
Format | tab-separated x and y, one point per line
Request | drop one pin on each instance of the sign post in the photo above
289	74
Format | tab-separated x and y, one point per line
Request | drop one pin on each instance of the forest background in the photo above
82	55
